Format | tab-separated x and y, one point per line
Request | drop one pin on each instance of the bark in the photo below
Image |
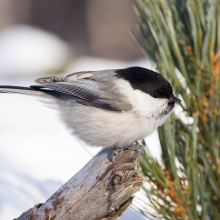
102	189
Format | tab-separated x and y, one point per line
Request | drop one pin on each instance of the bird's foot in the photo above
137	151
137	148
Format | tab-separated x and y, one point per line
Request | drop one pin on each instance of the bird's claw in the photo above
137	148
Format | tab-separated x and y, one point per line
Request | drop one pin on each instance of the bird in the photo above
106	108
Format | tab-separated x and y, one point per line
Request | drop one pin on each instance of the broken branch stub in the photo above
102	189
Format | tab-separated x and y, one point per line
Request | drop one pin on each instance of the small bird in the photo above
108	108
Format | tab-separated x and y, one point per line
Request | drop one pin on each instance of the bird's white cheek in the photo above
147	105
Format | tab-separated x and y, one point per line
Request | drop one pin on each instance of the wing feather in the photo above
65	77
88	88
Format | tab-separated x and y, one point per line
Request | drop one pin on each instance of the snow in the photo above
28	50
37	153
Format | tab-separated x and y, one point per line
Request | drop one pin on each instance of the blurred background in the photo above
53	33
45	37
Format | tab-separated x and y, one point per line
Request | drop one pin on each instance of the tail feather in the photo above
25	91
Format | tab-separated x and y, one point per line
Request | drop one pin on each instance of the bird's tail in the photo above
25	91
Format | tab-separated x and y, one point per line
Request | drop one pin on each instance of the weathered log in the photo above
102	189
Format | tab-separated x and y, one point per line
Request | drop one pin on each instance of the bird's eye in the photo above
155	95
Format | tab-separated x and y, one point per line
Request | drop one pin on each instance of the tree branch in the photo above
102	189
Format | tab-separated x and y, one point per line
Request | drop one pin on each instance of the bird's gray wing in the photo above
67	77
95	89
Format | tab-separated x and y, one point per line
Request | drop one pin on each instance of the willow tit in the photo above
109	108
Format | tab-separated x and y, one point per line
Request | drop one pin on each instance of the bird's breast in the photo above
98	127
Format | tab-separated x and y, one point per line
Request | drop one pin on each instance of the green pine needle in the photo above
182	38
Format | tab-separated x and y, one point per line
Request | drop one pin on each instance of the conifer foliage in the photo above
182	39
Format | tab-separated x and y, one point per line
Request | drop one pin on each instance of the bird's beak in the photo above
173	100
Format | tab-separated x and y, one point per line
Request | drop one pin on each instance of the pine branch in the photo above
182	38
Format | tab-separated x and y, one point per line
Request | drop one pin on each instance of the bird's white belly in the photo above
98	127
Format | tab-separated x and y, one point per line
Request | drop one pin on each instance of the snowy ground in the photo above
37	152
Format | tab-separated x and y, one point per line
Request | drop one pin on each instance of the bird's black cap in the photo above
147	81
